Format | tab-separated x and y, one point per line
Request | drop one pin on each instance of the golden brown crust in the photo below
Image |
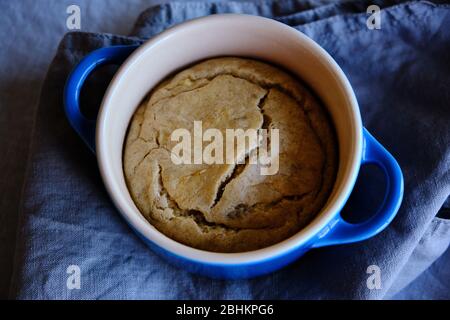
230	207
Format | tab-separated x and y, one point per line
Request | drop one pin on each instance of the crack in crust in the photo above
198	216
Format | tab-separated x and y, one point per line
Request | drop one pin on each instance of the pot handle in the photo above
343	232
109	55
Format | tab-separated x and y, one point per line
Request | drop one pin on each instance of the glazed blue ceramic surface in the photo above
337	231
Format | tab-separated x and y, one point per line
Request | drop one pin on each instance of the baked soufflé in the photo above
231	207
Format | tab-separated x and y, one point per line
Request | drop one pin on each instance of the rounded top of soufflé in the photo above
230	207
